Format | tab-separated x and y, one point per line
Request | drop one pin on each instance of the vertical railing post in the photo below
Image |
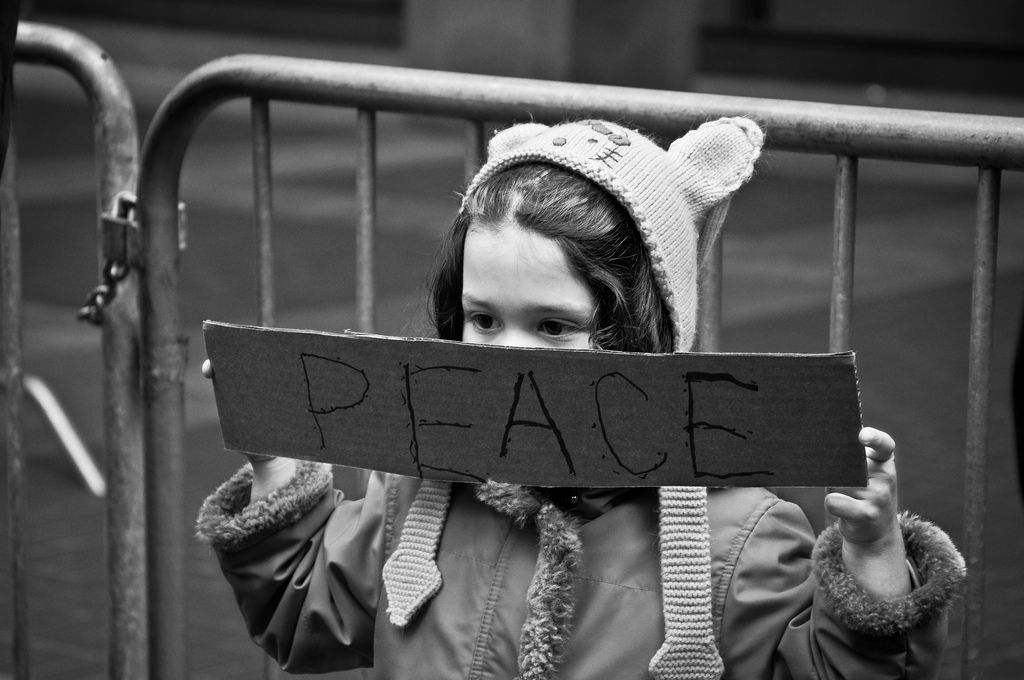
117	149
264	215
115	139
844	227
978	389
10	239
164	361
126	528
709	301
366	197
264	210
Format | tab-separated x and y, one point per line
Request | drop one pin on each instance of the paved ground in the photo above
913	287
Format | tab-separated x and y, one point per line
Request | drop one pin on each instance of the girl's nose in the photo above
515	337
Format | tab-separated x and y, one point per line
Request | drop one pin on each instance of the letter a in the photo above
548	424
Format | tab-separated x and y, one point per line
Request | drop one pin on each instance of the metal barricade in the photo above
847	132
115	307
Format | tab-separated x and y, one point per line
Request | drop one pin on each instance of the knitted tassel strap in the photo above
411	576
689	650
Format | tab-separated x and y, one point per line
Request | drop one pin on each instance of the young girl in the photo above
583	235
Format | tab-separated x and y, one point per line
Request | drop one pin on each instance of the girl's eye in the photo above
484	322
556	328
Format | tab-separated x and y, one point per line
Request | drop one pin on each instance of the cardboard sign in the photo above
541	417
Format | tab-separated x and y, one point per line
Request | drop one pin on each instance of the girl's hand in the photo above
873	547
268	472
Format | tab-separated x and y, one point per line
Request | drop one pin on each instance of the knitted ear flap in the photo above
508	139
411	575
715	160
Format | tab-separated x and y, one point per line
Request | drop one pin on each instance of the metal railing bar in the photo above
978	393
10	239
366	198
709	302
115	129
126	525
476	149
854	132
264	211
115	138
862	131
164	360
263	206
165	540
844	230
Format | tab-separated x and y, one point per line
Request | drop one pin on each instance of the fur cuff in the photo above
928	547
229	523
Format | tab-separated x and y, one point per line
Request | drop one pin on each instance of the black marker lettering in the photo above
414	422
694	425
331	385
549	423
610	395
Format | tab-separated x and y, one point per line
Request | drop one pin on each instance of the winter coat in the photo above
305	565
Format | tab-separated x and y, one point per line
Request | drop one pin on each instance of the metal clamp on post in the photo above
120	246
120	233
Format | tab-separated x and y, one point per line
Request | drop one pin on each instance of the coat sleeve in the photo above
792	611
304	564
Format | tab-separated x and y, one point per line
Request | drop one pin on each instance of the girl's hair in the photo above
598	236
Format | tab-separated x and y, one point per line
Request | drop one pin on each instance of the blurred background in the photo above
657	43
914	238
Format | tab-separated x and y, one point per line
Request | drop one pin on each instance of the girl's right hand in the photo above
873	548
268	472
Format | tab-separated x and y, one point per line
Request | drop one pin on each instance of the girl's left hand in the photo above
873	547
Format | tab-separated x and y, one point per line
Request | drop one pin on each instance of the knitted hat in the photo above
677	199
669	194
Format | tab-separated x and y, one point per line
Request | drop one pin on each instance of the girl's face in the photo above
518	290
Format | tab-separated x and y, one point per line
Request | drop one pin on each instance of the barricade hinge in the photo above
120	232
121	252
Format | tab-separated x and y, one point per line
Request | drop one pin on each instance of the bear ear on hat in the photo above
714	161
508	139
717	158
